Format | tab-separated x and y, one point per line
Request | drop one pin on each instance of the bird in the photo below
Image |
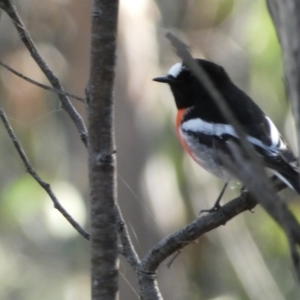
204	132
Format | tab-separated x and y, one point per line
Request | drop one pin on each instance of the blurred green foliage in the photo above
21	200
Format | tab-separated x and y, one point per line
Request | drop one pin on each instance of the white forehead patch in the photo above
176	69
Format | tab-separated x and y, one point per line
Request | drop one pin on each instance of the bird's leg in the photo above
217	203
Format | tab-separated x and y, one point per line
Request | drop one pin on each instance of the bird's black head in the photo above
186	88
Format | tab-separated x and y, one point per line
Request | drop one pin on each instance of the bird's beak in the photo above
165	79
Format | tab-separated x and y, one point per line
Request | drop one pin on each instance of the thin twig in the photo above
43	86
128	250
10	9
46	186
175	255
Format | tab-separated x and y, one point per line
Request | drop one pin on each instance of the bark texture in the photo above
102	164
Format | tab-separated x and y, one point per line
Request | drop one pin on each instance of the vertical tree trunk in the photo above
102	164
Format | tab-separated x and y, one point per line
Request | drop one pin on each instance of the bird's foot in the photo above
217	205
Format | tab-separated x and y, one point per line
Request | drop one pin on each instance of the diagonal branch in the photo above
127	249
180	239
43	86
46	186
10	9
192	231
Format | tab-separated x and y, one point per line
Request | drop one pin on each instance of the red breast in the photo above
180	114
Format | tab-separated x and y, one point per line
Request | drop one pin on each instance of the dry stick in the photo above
10	9
279	185
180	239
128	250
175	255
195	229
43	86
46	186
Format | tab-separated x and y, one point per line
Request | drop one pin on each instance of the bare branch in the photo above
191	232
43	86
128	250
148	285
194	230
10	9
46	186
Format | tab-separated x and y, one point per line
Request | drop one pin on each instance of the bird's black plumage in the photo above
203	123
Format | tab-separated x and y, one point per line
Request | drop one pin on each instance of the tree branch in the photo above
43	86
46	186
128	250
10	9
194	230
180	239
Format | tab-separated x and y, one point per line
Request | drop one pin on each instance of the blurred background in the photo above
160	189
